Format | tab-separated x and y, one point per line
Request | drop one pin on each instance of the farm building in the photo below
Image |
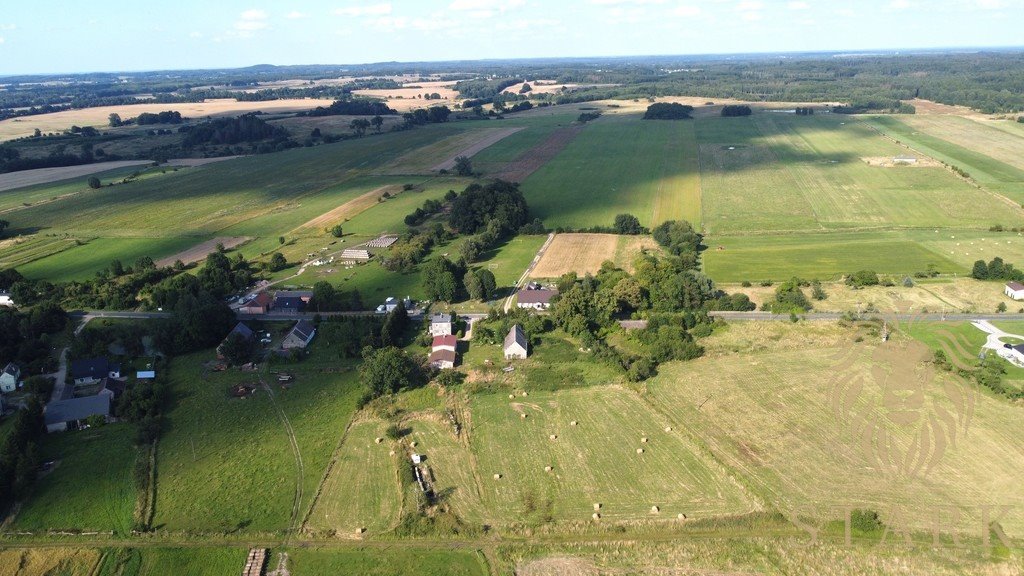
390	303
382	241
536	298
440	324
1014	290
112	388
71	414
5	298
443	358
9	377
290	304
258	305
145	375
355	255
240	329
300	335
93	370
516	344
445	342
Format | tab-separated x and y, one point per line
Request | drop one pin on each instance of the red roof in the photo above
443	356
449	340
262	299
1015	286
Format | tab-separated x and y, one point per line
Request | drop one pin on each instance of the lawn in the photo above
91	488
620	164
228	464
393	561
509	260
795	424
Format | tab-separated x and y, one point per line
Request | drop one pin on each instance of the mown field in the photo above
377	562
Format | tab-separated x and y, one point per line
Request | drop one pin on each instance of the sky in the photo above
63	36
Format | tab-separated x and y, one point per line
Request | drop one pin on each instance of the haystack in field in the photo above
639	450
655	510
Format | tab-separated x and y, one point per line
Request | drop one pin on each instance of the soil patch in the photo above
201	250
23	178
475	147
352	207
531	160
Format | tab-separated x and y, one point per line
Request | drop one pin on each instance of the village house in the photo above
440	324
71	414
390	303
258	305
5	298
300	335
1014	290
92	370
445	342
240	329
538	298
289	304
9	378
516	344
443	358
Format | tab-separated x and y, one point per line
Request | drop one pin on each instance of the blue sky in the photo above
47	36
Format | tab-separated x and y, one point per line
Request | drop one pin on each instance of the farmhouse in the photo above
240	329
93	369
9	377
443	358
355	255
1014	290
516	345
300	335
440	324
537	298
445	342
258	305
5	298
289	304
112	388
71	414
390	303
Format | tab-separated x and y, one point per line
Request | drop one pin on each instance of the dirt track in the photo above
199	251
531	160
352	207
476	147
24	178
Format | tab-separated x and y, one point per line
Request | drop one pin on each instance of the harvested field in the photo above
201	250
890	162
24	249
485	139
192	162
351	208
529	162
41	561
13	180
60	121
582	253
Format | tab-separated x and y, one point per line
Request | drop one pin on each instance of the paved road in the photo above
949	317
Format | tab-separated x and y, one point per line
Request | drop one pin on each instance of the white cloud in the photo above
897	5
846	12
195	35
481	9
687	11
751	16
7	26
620	2
797	5
367	10
748	5
295	15
526	24
2	40
251	21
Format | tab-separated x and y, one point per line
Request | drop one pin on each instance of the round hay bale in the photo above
360	530
643	440
522	415
392	453
511	396
639	450
497	476
597	505
525	394
681	516
412	444
595	516
553	437
655	510
573	423
548	468
378	440
668	428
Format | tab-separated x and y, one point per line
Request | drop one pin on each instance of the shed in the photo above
443	359
516	344
299	336
1014	290
258	305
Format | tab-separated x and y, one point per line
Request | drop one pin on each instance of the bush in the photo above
862	278
94	183
734	110
393	432
865	521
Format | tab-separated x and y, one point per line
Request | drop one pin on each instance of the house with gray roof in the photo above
516	345
71	414
300	335
9	377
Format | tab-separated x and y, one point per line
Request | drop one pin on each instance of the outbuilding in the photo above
1014	290
516	345
9	378
300	335
72	413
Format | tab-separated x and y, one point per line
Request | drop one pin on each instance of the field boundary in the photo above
357	206
535	158
200	251
486	142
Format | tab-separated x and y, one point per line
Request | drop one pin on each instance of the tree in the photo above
733	110
388	370
337	231
463	166
439	281
473	286
487	282
526	88
3	226
323	296
277	262
980	270
237	349
280	240
499	201
115	120
94	183
862	278
1001	307
377	122
359	126
628	224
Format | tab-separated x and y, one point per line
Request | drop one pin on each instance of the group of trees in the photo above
804	111
352	108
668	111
498	201
733	110
19	454
996	269
147	118
432	115
27	337
244	128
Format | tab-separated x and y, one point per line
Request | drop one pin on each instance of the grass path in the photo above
299	468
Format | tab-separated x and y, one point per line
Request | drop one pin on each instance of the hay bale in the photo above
643	440
553	437
511	396
360	530
668	428
525	394
378	440
497	476
522	415
639	450
681	516
573	423
595	516
412	444
392	453
548	468
597	505
655	510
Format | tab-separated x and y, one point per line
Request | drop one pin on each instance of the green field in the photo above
91	486
82	261
620	164
21	251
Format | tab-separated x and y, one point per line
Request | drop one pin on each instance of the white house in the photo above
440	324
536	298
9	378
445	342
443	358
300	336
1014	290
516	344
5	298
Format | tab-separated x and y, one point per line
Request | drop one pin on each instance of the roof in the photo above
262	299
440	318
449	340
289	302
1015	286
12	369
95	367
242	330
516	336
145	374
305	294
1018	348
540	296
303	330
354	253
77	409
443	356
117	387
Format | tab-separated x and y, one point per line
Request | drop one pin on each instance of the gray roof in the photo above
242	330
12	369
304	330
93	367
440	318
1015	286
517	336
538	296
294	294
77	409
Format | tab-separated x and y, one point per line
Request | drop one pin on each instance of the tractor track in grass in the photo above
300	468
